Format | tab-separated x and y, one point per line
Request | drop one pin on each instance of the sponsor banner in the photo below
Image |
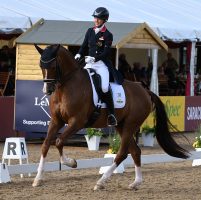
192	113
32	107
174	106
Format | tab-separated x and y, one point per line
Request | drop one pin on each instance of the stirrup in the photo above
111	120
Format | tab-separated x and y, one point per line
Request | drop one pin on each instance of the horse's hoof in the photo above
70	163
37	182
98	187
74	163
134	186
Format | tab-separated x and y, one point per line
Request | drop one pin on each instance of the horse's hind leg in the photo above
121	155
52	130
136	155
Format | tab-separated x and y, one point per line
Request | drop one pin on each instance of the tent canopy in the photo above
175	20
129	35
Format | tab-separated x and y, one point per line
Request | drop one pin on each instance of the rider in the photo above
98	40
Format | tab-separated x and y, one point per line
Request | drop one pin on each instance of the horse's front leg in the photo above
52	130
70	129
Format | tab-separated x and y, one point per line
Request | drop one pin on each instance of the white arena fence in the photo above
97	162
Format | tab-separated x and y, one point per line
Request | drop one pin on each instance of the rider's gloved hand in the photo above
89	59
77	57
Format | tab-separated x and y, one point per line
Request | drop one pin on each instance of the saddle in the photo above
117	91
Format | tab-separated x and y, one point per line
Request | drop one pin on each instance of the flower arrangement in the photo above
197	142
114	143
146	129
93	132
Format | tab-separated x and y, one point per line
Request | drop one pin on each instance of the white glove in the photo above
89	59
77	56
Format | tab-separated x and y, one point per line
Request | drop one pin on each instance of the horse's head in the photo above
50	68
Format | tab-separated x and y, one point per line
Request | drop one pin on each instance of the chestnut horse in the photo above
71	103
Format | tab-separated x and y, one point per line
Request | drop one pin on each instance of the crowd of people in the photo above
136	72
170	70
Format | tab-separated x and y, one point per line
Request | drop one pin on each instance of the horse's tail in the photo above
163	134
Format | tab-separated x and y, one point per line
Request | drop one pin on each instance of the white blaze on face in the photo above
45	84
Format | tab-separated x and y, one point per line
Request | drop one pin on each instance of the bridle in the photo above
58	71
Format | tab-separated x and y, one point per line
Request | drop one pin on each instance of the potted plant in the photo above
197	146
93	136
114	145
148	135
197	141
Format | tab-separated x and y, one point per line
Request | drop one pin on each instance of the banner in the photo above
174	106
32	107
192	113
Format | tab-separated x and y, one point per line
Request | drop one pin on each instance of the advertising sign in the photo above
174	106
192	113
32	107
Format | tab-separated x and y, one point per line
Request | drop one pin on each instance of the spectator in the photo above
170	67
137	71
123	65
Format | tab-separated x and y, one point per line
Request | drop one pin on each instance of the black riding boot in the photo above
107	98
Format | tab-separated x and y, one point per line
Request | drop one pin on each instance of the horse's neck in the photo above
66	62
71	71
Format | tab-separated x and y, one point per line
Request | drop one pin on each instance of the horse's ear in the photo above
40	51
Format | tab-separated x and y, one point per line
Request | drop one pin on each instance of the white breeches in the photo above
102	70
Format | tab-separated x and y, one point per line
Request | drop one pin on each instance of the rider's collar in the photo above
101	29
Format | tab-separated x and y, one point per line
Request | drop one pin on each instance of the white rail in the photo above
97	162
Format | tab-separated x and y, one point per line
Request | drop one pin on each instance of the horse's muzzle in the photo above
49	88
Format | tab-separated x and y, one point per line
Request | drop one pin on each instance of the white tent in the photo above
175	20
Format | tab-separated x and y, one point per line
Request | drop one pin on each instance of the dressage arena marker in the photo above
94	163
4	174
15	148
